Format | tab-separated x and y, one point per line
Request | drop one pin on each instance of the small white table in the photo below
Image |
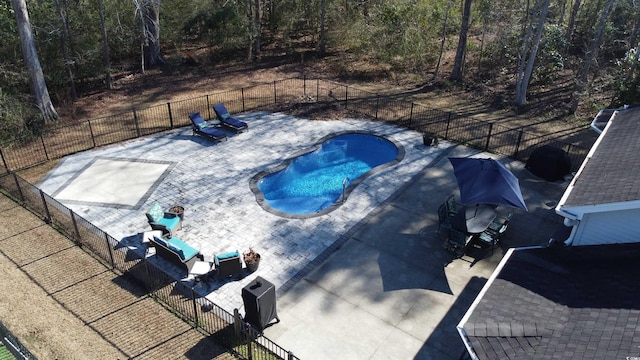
147	235
200	269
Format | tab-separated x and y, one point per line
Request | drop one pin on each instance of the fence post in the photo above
236	323
195	309
346	96
446	132
249	338
44	147
15	179
275	93
377	104
75	227
317	89
135	121
47	214
486	145
170	115
93	138
515	153
4	162
242	92
290	355
304	85
113	261
411	116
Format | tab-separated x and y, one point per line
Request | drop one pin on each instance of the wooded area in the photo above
53	52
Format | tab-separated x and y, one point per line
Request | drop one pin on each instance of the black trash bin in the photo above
259	298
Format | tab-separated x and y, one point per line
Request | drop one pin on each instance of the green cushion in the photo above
155	212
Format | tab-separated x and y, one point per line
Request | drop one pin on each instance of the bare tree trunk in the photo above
258	29
444	39
572	21
105	46
250	24
521	90
592	52
456	73
149	12
323	41
65	52
30	54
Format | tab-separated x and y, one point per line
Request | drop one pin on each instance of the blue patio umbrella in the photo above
487	181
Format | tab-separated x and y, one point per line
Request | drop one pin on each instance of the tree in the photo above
529	53
105	45
149	13
443	40
64	39
592	52
456	73
30	54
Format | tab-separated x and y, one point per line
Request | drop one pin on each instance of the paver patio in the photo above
368	280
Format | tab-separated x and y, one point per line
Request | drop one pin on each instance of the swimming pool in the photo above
319	179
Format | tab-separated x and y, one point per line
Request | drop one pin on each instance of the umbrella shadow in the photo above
415	269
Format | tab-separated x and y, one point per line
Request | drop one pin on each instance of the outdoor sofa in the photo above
176	251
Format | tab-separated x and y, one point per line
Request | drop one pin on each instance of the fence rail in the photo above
229	329
13	345
59	141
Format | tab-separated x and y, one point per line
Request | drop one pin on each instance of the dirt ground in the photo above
55	333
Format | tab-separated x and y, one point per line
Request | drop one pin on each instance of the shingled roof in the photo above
612	166
560	302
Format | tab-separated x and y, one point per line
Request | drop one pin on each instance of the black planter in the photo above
252	267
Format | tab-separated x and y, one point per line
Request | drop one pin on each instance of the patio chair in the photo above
444	220
227	120
452	205
205	128
166	221
228	264
457	242
492	235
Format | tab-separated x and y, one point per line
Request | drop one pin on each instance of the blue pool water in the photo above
317	179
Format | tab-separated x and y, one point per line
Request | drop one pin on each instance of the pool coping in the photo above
254	181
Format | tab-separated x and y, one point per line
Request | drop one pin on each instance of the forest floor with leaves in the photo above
487	99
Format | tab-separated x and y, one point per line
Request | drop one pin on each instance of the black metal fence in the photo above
13	345
228	329
59	141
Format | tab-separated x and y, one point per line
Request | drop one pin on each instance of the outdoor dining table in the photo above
474	219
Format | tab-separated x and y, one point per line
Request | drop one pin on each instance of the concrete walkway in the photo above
369	280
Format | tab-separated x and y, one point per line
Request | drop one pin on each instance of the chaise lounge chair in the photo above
206	129
228	121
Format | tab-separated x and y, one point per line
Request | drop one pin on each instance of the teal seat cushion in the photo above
160	241
187	250
228	255
155	212
169	223
176	250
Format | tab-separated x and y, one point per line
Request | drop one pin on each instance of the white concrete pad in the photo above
113	182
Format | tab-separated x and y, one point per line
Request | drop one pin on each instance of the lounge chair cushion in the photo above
169	222
228	255
176	250
187	251
156	213
160	241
